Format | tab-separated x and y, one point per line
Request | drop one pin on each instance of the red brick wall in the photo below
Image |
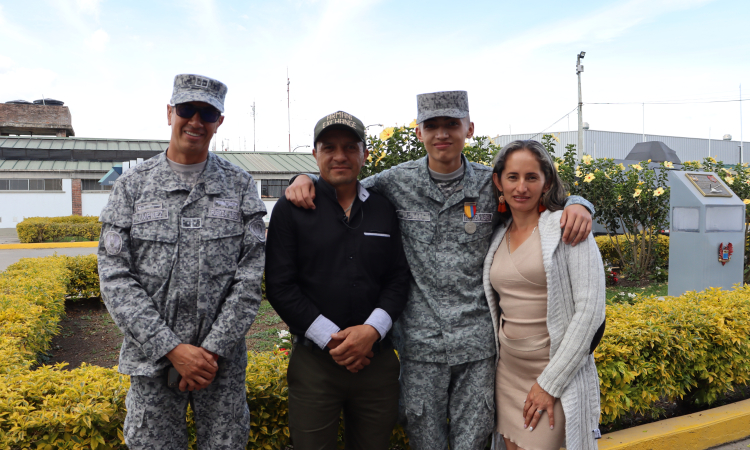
35	116
77	209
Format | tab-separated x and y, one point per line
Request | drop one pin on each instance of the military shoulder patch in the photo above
113	242
258	228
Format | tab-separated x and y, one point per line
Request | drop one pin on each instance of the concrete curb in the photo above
697	431
49	245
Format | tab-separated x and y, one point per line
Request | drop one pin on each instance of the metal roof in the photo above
253	162
75	166
612	144
272	162
78	149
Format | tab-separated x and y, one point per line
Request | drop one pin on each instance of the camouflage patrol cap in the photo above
197	88
442	104
340	119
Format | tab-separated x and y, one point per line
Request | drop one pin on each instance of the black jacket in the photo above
318	263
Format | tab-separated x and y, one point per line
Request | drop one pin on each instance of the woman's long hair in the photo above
554	198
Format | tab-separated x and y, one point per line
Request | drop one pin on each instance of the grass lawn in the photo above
619	294
264	334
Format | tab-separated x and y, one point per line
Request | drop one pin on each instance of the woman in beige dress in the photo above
548	300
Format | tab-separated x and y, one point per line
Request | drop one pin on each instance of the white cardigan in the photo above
575	310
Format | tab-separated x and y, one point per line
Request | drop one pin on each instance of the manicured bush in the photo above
695	346
84	276
609	252
41	229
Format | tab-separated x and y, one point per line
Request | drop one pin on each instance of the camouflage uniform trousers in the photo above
156	413
445	404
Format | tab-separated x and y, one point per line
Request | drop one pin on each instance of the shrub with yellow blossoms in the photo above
737	178
399	144
627	199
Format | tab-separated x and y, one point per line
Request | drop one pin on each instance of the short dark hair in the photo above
554	198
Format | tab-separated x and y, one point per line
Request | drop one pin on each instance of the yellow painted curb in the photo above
697	431
49	245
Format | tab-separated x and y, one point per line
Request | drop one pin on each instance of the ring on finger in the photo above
539	411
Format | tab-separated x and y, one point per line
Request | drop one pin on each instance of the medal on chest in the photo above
470	210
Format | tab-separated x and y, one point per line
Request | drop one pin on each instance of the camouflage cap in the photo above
340	119
442	104
197	88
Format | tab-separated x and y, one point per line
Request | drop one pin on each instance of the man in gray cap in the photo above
445	336
181	257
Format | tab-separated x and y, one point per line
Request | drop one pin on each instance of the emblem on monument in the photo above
725	253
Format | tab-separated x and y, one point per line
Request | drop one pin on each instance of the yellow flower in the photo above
640	182
369	158
578	172
745	164
746	201
649	160
658	191
668	164
636	166
637	193
729	180
557	167
576	183
589	178
466	144
725	170
587	159
619	198
386	134
747	181
413	124
556	138
622	166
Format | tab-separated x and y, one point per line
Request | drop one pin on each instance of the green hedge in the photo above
696	345
609	252
41	229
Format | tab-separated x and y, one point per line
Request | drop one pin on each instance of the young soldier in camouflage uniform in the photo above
445	335
180	263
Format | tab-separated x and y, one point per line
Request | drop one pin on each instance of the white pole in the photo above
741	124
579	69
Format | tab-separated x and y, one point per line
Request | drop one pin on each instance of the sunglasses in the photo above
188	110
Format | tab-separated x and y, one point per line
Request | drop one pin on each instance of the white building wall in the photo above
93	202
16	205
269	207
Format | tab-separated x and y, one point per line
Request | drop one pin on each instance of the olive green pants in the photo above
319	389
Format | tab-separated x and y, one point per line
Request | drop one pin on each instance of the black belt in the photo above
381	345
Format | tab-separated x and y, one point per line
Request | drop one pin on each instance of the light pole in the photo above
295	148
579	69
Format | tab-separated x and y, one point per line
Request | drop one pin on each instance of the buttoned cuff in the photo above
381	321
321	330
161	344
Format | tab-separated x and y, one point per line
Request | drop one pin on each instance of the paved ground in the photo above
739	445
8	257
8	236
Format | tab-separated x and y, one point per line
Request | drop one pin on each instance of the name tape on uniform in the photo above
220	213
147	206
227	204
420	216
479	217
149	216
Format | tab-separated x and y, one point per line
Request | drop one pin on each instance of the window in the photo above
273	188
93	185
31	185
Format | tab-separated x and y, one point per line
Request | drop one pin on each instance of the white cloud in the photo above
5	63
98	40
89	6
25	83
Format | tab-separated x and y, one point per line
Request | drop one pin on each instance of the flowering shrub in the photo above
737	177
633	200
396	145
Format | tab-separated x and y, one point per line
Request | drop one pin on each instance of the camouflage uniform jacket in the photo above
447	318
181	265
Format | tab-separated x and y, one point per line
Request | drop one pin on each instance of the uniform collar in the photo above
212	176
470	182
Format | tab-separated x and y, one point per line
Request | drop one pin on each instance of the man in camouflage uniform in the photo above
445	335
181	257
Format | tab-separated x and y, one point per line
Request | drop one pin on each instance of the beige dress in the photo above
520	280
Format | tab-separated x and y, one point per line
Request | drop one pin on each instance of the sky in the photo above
113	63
